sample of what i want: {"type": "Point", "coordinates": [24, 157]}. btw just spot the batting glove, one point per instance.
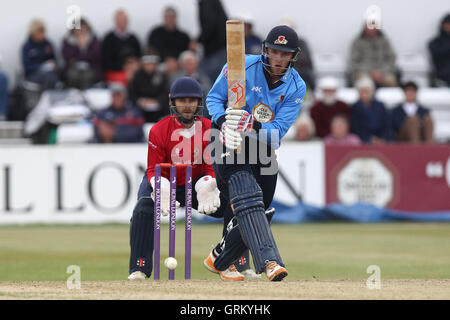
{"type": "Point", "coordinates": [239, 119]}
{"type": "Point", "coordinates": [165, 195]}
{"type": "Point", "coordinates": [231, 138]}
{"type": "Point", "coordinates": [208, 195]}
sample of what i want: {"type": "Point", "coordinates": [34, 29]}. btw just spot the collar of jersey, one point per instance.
{"type": "Point", "coordinates": [269, 83]}
{"type": "Point", "coordinates": [185, 132]}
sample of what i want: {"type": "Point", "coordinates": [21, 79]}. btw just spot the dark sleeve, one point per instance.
{"type": "Point", "coordinates": [28, 65]}
{"type": "Point", "coordinates": [187, 39]}
{"type": "Point", "coordinates": [355, 122]}
{"type": "Point", "coordinates": [132, 90]}
{"type": "Point", "coordinates": [222, 119]}
{"type": "Point", "coordinates": [95, 58]}
{"type": "Point", "coordinates": [208, 19]}
{"type": "Point", "coordinates": [68, 53]}
{"type": "Point", "coordinates": [385, 129]}
{"type": "Point", "coordinates": [151, 39]}
{"type": "Point", "coordinates": [51, 55]}
{"type": "Point", "coordinates": [439, 49]}
{"type": "Point", "coordinates": [424, 111]}
{"type": "Point", "coordinates": [107, 57]}
{"type": "Point", "coordinates": [155, 41]}
{"type": "Point", "coordinates": [137, 47]}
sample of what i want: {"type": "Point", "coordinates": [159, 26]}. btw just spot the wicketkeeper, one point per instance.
{"type": "Point", "coordinates": [177, 138]}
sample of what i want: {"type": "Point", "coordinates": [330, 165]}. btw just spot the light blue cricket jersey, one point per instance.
{"type": "Point", "coordinates": [275, 109]}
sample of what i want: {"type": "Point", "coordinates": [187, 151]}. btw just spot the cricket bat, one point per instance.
{"type": "Point", "coordinates": [236, 65]}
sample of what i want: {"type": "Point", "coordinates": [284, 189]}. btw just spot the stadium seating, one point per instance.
{"type": "Point", "coordinates": [73, 133]}
{"type": "Point", "coordinates": [97, 98]}
{"type": "Point", "coordinates": [11, 133]}
{"type": "Point", "coordinates": [330, 64]}
{"type": "Point", "coordinates": [83, 132]}
{"type": "Point", "coordinates": [414, 67]}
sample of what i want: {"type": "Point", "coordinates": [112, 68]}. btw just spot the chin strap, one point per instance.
{"type": "Point", "coordinates": [266, 67]}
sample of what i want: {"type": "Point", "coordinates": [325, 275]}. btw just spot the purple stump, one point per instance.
{"type": "Point", "coordinates": [172, 217]}
{"type": "Point", "coordinates": [188, 224]}
{"type": "Point", "coordinates": [157, 223]}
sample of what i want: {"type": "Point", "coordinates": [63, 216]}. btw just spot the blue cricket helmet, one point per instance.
{"type": "Point", "coordinates": [185, 87]}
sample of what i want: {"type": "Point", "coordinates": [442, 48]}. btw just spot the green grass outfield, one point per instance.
{"type": "Point", "coordinates": [329, 251]}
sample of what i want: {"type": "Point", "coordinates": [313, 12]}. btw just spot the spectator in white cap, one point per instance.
{"type": "Point", "coordinates": [369, 117]}
{"type": "Point", "coordinates": [327, 106]}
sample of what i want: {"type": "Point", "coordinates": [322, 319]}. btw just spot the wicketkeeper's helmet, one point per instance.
{"type": "Point", "coordinates": [185, 87]}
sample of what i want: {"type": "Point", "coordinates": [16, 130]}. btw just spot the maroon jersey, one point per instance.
{"type": "Point", "coordinates": [323, 114]}
{"type": "Point", "coordinates": [171, 142]}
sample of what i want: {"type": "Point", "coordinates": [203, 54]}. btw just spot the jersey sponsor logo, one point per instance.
{"type": "Point", "coordinates": [257, 89]}
{"type": "Point", "coordinates": [281, 40]}
{"type": "Point", "coordinates": [263, 113]}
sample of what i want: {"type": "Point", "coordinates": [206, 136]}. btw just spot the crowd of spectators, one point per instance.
{"type": "Point", "coordinates": [368, 120]}
{"type": "Point", "coordinates": [139, 76]}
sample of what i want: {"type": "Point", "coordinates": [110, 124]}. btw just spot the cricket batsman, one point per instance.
{"type": "Point", "coordinates": [275, 92]}
{"type": "Point", "coordinates": [178, 138]}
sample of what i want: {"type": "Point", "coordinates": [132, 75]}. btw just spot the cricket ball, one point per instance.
{"type": "Point", "coordinates": [171, 263]}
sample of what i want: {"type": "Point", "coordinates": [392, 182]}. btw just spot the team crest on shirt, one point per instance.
{"type": "Point", "coordinates": [263, 113]}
